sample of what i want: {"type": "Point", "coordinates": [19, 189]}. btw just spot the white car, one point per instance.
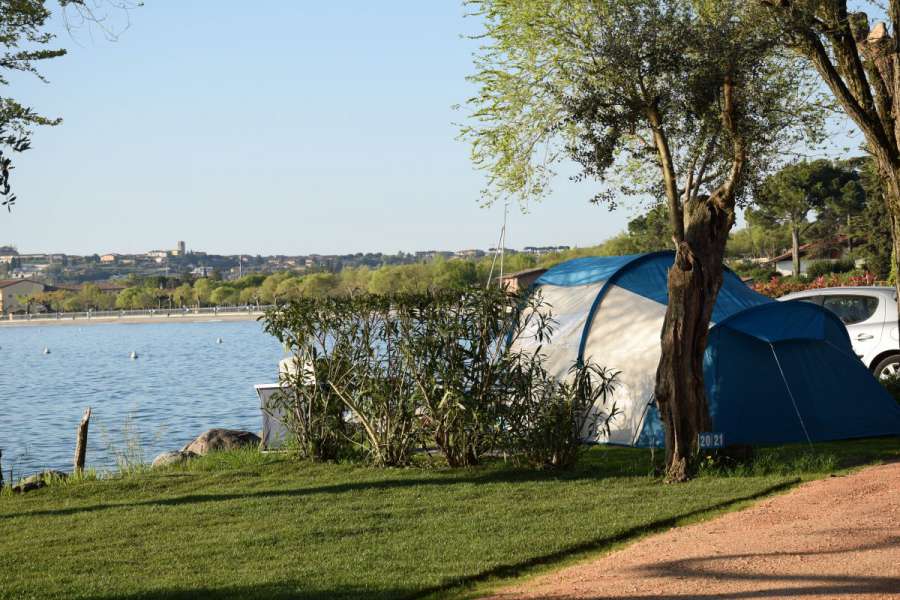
{"type": "Point", "coordinates": [870, 315]}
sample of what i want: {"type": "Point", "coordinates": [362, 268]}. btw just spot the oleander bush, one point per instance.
{"type": "Point", "coordinates": [458, 371]}
{"type": "Point", "coordinates": [459, 348]}
{"type": "Point", "coordinates": [317, 334]}
{"type": "Point", "coordinates": [548, 419]}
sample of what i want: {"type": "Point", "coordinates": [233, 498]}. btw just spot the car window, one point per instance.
{"type": "Point", "coordinates": [811, 299]}
{"type": "Point", "coordinates": [851, 309]}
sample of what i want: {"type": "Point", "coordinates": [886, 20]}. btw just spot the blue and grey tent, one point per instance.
{"type": "Point", "coordinates": [775, 372]}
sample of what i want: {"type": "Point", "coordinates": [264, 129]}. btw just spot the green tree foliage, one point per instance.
{"type": "Point", "coordinates": [183, 295]}
{"type": "Point", "coordinates": [136, 298]}
{"type": "Point", "coordinates": [249, 296]}
{"type": "Point", "coordinates": [25, 44]}
{"type": "Point", "coordinates": [288, 289]}
{"type": "Point", "coordinates": [650, 231]}
{"type": "Point", "coordinates": [268, 290]}
{"type": "Point", "coordinates": [318, 285]}
{"type": "Point", "coordinates": [686, 101]}
{"type": "Point", "coordinates": [757, 240]}
{"type": "Point", "coordinates": [875, 223]}
{"type": "Point", "coordinates": [224, 295]}
{"type": "Point", "coordinates": [857, 62]}
{"type": "Point", "coordinates": [840, 211]}
{"type": "Point", "coordinates": [202, 291]}
{"type": "Point", "coordinates": [787, 198]}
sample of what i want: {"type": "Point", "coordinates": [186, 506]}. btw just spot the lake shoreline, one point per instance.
{"type": "Point", "coordinates": [159, 318]}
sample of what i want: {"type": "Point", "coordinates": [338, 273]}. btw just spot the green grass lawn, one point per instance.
{"type": "Point", "coordinates": [250, 526]}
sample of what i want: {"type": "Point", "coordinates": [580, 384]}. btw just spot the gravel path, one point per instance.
{"type": "Point", "coordinates": [833, 538]}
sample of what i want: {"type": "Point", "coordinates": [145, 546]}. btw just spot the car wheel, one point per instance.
{"type": "Point", "coordinates": [887, 367]}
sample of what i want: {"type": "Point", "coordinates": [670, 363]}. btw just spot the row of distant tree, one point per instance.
{"type": "Point", "coordinates": [818, 201]}
{"type": "Point", "coordinates": [822, 202]}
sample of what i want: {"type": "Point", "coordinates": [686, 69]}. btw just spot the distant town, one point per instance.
{"type": "Point", "coordinates": [61, 269]}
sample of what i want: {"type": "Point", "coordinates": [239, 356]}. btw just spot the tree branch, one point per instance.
{"type": "Point", "coordinates": [670, 183]}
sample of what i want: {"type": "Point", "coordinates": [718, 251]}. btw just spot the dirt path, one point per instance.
{"type": "Point", "coordinates": [834, 538]}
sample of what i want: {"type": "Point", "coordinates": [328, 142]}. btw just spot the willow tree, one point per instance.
{"type": "Point", "coordinates": [686, 101]}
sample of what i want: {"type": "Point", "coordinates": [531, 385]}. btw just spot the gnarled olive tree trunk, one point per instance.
{"type": "Point", "coordinates": [694, 282]}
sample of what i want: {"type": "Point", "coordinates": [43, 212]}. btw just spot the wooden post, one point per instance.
{"type": "Point", "coordinates": [81, 440]}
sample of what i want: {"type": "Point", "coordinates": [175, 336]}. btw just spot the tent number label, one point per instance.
{"type": "Point", "coordinates": [711, 439]}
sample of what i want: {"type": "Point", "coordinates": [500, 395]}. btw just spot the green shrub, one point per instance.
{"type": "Point", "coordinates": [315, 332]}
{"type": "Point", "coordinates": [383, 375]}
{"type": "Point", "coordinates": [458, 349]}
{"type": "Point", "coordinates": [546, 421]}
{"type": "Point", "coordinates": [891, 383]}
{"type": "Point", "coordinates": [747, 269]}
{"type": "Point", "coordinates": [820, 268]}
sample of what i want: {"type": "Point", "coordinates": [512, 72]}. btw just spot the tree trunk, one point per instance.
{"type": "Point", "coordinates": [795, 249]}
{"type": "Point", "coordinates": [693, 285]}
{"type": "Point", "coordinates": [892, 202]}
{"type": "Point", "coordinates": [849, 235]}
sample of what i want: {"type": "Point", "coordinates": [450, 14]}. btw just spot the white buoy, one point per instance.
{"type": "Point", "coordinates": [134, 355]}
{"type": "Point", "coordinates": [46, 350]}
{"type": "Point", "coordinates": [218, 340]}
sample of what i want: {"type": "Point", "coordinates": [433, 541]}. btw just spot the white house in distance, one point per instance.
{"type": "Point", "coordinates": [12, 289]}
{"type": "Point", "coordinates": [828, 251]}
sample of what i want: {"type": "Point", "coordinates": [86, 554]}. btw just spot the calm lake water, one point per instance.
{"type": "Point", "coordinates": [181, 384]}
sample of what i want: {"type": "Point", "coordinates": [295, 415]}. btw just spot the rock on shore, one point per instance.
{"type": "Point", "coordinates": [176, 457]}
{"type": "Point", "coordinates": [221, 439]}
{"type": "Point", "coordinates": [36, 481]}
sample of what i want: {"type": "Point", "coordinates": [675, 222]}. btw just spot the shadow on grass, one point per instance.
{"type": "Point", "coordinates": [492, 477]}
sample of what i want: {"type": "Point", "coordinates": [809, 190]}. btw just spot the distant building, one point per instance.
{"type": "Point", "coordinates": [180, 249]}
{"type": "Point", "coordinates": [8, 254]}
{"type": "Point", "coordinates": [540, 250]}
{"type": "Point", "coordinates": [474, 253]}
{"type": "Point", "coordinates": [158, 253]}
{"type": "Point", "coordinates": [11, 290]}
{"type": "Point", "coordinates": [109, 258]}
{"type": "Point", "coordinates": [522, 280]}
{"type": "Point", "coordinates": [829, 250]}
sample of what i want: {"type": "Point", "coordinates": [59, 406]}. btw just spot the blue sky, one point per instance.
{"type": "Point", "coordinates": [270, 127]}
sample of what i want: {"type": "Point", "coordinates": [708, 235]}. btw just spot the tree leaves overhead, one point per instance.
{"type": "Point", "coordinates": [563, 79]}
{"type": "Point", "coordinates": [23, 44]}
{"type": "Point", "coordinates": [821, 185]}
